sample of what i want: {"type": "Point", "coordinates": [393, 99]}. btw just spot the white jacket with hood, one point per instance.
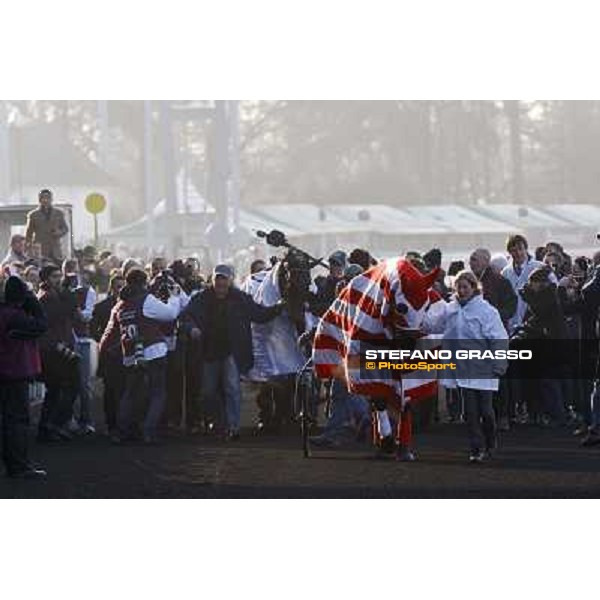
{"type": "Point", "coordinates": [475, 325]}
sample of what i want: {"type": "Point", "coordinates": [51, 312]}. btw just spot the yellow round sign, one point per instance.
{"type": "Point", "coordinates": [95, 203]}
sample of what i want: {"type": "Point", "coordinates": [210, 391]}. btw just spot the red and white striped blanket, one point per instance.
{"type": "Point", "coordinates": [392, 293]}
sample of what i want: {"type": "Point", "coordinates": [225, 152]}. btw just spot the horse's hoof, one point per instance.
{"type": "Point", "coordinates": [405, 455]}
{"type": "Point", "coordinates": [386, 448]}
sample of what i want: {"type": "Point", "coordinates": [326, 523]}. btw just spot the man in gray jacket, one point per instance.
{"type": "Point", "coordinates": [46, 226]}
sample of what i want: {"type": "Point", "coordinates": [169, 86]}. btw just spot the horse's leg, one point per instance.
{"type": "Point", "coordinates": [404, 434]}
{"type": "Point", "coordinates": [383, 426]}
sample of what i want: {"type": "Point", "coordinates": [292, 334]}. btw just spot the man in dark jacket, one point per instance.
{"type": "Point", "coordinates": [327, 284]}
{"type": "Point", "coordinates": [590, 327]}
{"type": "Point", "coordinates": [22, 320]}
{"type": "Point", "coordinates": [544, 328]}
{"type": "Point", "coordinates": [110, 360]}
{"type": "Point", "coordinates": [221, 316]}
{"type": "Point", "coordinates": [60, 370]}
{"type": "Point", "coordinates": [495, 288]}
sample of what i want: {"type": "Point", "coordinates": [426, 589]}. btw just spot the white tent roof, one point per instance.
{"type": "Point", "coordinates": [385, 219]}
{"type": "Point", "coordinates": [524, 217]}
{"type": "Point", "coordinates": [584, 215]}
{"type": "Point", "coordinates": [456, 219]}
{"type": "Point", "coordinates": [307, 218]}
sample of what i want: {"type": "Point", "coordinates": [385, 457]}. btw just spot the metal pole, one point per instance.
{"type": "Point", "coordinates": [170, 187]}
{"type": "Point", "coordinates": [4, 153]}
{"type": "Point", "coordinates": [148, 191]}
{"type": "Point", "coordinates": [102, 109]}
{"type": "Point", "coordinates": [234, 159]}
{"type": "Point", "coordinates": [221, 144]}
{"type": "Point", "coordinates": [96, 231]}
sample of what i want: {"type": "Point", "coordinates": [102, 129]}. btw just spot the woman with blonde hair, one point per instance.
{"type": "Point", "coordinates": [468, 322]}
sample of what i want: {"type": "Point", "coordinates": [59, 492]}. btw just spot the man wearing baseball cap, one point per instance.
{"type": "Point", "coordinates": [220, 318]}
{"type": "Point", "coordinates": [327, 285]}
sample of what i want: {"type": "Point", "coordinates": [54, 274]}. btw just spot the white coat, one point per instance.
{"type": "Point", "coordinates": [475, 325]}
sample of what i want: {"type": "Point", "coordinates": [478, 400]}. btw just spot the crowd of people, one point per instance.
{"type": "Point", "coordinates": [170, 343]}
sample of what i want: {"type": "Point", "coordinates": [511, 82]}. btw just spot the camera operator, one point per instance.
{"type": "Point", "coordinates": [543, 324]}
{"type": "Point", "coordinates": [163, 286]}
{"type": "Point", "coordinates": [187, 275]}
{"type": "Point", "coordinates": [576, 388]}
{"type": "Point", "coordinates": [590, 292]}
{"type": "Point", "coordinates": [193, 283]}
{"type": "Point", "coordinates": [60, 370]}
{"type": "Point", "coordinates": [517, 271]}
{"type": "Point", "coordinates": [22, 321]}
{"type": "Point", "coordinates": [327, 285]}
{"type": "Point", "coordinates": [137, 318]}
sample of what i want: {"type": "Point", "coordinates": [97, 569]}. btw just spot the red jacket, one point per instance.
{"type": "Point", "coordinates": [19, 354]}
{"type": "Point", "coordinates": [61, 310]}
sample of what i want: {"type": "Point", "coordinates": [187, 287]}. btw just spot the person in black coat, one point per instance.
{"type": "Point", "coordinates": [544, 329]}
{"type": "Point", "coordinates": [22, 321]}
{"type": "Point", "coordinates": [60, 371]}
{"type": "Point", "coordinates": [220, 317]}
{"type": "Point", "coordinates": [110, 362]}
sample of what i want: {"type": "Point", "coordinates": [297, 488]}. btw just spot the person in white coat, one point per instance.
{"type": "Point", "coordinates": [468, 322]}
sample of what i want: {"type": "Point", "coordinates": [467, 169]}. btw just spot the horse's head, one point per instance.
{"type": "Point", "coordinates": [412, 294]}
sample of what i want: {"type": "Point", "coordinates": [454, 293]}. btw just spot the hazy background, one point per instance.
{"type": "Point", "coordinates": [401, 153]}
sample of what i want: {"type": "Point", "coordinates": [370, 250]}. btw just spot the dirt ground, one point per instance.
{"type": "Point", "coordinates": [530, 463]}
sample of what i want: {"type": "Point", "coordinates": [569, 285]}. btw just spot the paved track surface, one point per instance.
{"type": "Point", "coordinates": [530, 463]}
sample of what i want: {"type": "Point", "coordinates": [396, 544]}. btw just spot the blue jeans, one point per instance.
{"type": "Point", "coordinates": [481, 419]}
{"type": "Point", "coordinates": [346, 409]}
{"type": "Point", "coordinates": [223, 374]}
{"type": "Point", "coordinates": [83, 347]}
{"type": "Point", "coordinates": [145, 392]}
{"type": "Point", "coordinates": [553, 401]}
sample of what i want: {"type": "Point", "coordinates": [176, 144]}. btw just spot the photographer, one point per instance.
{"type": "Point", "coordinates": [137, 318]}
{"type": "Point", "coordinates": [544, 323]}
{"type": "Point", "coordinates": [22, 321]}
{"type": "Point", "coordinates": [187, 275]}
{"type": "Point", "coordinates": [517, 271]}
{"type": "Point", "coordinates": [60, 371]}
{"type": "Point", "coordinates": [575, 388]}
{"type": "Point", "coordinates": [162, 287]}
{"type": "Point", "coordinates": [590, 292]}
{"type": "Point", "coordinates": [110, 358]}
{"type": "Point", "coordinates": [327, 285]}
